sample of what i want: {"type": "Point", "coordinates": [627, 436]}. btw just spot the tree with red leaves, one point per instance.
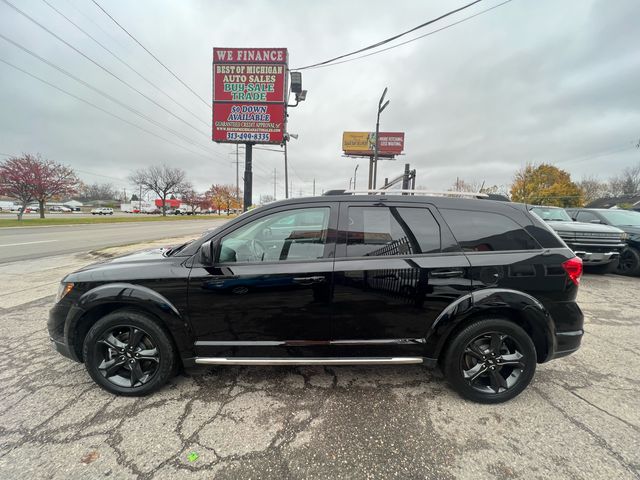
{"type": "Point", "coordinates": [30, 178]}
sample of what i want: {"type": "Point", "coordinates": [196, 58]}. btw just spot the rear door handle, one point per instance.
{"type": "Point", "coordinates": [308, 280]}
{"type": "Point", "coordinates": [447, 273]}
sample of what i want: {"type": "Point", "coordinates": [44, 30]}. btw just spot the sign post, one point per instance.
{"type": "Point", "coordinates": [368, 144]}
{"type": "Point", "coordinates": [249, 100]}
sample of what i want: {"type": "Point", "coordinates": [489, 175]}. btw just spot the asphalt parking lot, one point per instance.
{"type": "Point", "coordinates": [580, 418]}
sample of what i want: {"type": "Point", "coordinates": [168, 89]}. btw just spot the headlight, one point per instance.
{"type": "Point", "coordinates": [625, 236]}
{"type": "Point", "coordinates": [63, 290]}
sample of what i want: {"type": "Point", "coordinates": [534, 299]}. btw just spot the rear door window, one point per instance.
{"type": "Point", "coordinates": [487, 232]}
{"type": "Point", "coordinates": [380, 231]}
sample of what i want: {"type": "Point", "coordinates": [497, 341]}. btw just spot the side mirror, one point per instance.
{"type": "Point", "coordinates": [206, 256]}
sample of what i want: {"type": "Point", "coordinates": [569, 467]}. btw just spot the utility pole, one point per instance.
{"type": "Point", "coordinates": [381, 108]}
{"type": "Point", "coordinates": [274, 183]}
{"type": "Point", "coordinates": [314, 187]}
{"type": "Point", "coordinates": [140, 200]}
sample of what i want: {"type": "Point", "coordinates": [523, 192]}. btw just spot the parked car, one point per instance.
{"type": "Point", "coordinates": [483, 288]}
{"type": "Point", "coordinates": [626, 220]}
{"type": "Point", "coordinates": [102, 211]}
{"type": "Point", "coordinates": [599, 246]}
{"type": "Point", "coordinates": [59, 208]}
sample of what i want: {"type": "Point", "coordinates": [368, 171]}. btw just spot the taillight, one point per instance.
{"type": "Point", "coordinates": [573, 267]}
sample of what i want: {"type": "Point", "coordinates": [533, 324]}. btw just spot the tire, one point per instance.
{"type": "Point", "coordinates": [128, 369]}
{"type": "Point", "coordinates": [629, 262]}
{"type": "Point", "coordinates": [464, 359]}
{"type": "Point", "coordinates": [610, 267]}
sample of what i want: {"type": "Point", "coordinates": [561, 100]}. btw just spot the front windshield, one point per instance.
{"type": "Point", "coordinates": [622, 218]}
{"type": "Point", "coordinates": [552, 214]}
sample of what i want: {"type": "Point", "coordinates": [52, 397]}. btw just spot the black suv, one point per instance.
{"type": "Point", "coordinates": [483, 288]}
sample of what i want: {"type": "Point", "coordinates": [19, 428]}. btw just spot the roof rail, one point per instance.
{"type": "Point", "coordinates": [415, 192]}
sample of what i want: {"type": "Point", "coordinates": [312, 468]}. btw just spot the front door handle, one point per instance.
{"type": "Point", "coordinates": [447, 273]}
{"type": "Point", "coordinates": [308, 280]}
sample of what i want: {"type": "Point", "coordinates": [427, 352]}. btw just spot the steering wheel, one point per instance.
{"type": "Point", "coordinates": [257, 249]}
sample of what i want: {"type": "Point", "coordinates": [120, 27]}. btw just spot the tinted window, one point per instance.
{"type": "Point", "coordinates": [377, 231]}
{"type": "Point", "coordinates": [292, 235]}
{"type": "Point", "coordinates": [486, 232]}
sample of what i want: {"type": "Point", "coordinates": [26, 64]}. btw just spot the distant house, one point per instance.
{"type": "Point", "coordinates": [73, 204]}
{"type": "Point", "coordinates": [617, 202]}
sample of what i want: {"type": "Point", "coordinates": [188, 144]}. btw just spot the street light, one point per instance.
{"type": "Point", "coordinates": [381, 108]}
{"type": "Point", "coordinates": [355, 171]}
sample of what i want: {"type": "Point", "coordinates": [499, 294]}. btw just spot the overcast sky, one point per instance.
{"type": "Point", "coordinates": [530, 81]}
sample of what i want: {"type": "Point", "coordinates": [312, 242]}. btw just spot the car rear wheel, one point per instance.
{"type": "Point", "coordinates": [490, 361]}
{"type": "Point", "coordinates": [629, 262]}
{"type": "Point", "coordinates": [128, 353]}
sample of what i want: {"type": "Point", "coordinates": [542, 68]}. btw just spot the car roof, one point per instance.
{"type": "Point", "coordinates": [438, 201]}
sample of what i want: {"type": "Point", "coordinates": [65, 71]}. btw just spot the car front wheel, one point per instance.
{"type": "Point", "coordinates": [128, 353]}
{"type": "Point", "coordinates": [629, 262]}
{"type": "Point", "coordinates": [490, 361]}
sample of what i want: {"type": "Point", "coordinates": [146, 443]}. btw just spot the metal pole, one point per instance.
{"type": "Point", "coordinates": [405, 178]}
{"type": "Point", "coordinates": [237, 174]}
{"type": "Point", "coordinates": [274, 183]}
{"type": "Point", "coordinates": [314, 187]}
{"type": "Point", "coordinates": [375, 151]}
{"type": "Point", "coordinates": [370, 173]}
{"type": "Point", "coordinates": [248, 176]}
{"type": "Point", "coordinates": [286, 171]}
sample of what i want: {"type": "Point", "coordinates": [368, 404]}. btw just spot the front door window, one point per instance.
{"type": "Point", "coordinates": [292, 235]}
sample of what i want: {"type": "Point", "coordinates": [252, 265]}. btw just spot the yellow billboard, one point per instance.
{"type": "Point", "coordinates": [363, 143]}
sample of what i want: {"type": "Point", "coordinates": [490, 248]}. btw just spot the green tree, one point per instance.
{"type": "Point", "coordinates": [545, 184]}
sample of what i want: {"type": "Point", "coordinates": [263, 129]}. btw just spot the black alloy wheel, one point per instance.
{"type": "Point", "coordinates": [129, 358]}
{"type": "Point", "coordinates": [128, 353]}
{"type": "Point", "coordinates": [490, 361]}
{"type": "Point", "coordinates": [629, 262]}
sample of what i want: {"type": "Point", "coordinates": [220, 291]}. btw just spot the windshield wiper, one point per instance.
{"type": "Point", "coordinates": [174, 250]}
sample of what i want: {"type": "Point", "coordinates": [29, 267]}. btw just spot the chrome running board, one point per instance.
{"type": "Point", "coordinates": [308, 361]}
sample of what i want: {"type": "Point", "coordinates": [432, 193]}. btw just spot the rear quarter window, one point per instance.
{"type": "Point", "coordinates": [478, 231]}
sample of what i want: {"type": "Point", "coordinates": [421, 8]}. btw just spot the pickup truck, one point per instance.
{"type": "Point", "coordinates": [599, 246]}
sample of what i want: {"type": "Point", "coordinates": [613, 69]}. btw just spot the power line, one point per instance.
{"type": "Point", "coordinates": [106, 95]}
{"type": "Point", "coordinates": [416, 38]}
{"type": "Point", "coordinates": [124, 62]}
{"type": "Point", "coordinates": [106, 70]}
{"type": "Point", "coordinates": [101, 109]}
{"type": "Point", "coordinates": [152, 55]}
{"type": "Point", "coordinates": [387, 40]}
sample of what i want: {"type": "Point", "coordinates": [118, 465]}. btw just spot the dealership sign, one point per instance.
{"type": "Point", "coordinates": [363, 143]}
{"type": "Point", "coordinates": [249, 94]}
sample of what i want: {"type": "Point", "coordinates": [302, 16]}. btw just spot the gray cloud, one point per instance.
{"type": "Point", "coordinates": [529, 81]}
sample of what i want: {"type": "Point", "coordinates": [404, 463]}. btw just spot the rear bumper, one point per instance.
{"type": "Point", "coordinates": [567, 343]}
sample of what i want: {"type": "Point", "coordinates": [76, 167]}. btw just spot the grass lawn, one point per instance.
{"type": "Point", "coordinates": [29, 221]}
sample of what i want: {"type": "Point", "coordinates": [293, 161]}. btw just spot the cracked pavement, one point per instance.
{"type": "Point", "coordinates": [579, 419]}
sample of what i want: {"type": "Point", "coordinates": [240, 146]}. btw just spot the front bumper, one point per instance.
{"type": "Point", "coordinates": [55, 326]}
{"type": "Point", "coordinates": [596, 258]}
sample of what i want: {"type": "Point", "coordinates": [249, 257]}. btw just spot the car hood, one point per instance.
{"type": "Point", "coordinates": [583, 227]}
{"type": "Point", "coordinates": [630, 230]}
{"type": "Point", "coordinates": [145, 264]}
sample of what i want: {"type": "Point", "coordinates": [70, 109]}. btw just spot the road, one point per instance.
{"type": "Point", "coordinates": [579, 419]}
{"type": "Point", "coordinates": [21, 243]}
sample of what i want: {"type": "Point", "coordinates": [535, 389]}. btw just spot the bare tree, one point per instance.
{"type": "Point", "coordinates": [97, 191]}
{"type": "Point", "coordinates": [627, 183]}
{"type": "Point", "coordinates": [30, 178]}
{"type": "Point", "coordinates": [593, 188]}
{"type": "Point", "coordinates": [161, 180]}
